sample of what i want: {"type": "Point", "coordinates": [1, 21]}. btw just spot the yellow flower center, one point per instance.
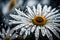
{"type": "Point", "coordinates": [39, 20]}
{"type": "Point", "coordinates": [7, 37]}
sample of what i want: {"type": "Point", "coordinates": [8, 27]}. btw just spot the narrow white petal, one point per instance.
{"type": "Point", "coordinates": [52, 13]}
{"type": "Point", "coordinates": [22, 31]}
{"type": "Point", "coordinates": [53, 30]}
{"type": "Point", "coordinates": [39, 27]}
{"type": "Point", "coordinates": [43, 31]}
{"type": "Point", "coordinates": [34, 10]}
{"type": "Point", "coordinates": [8, 30]}
{"type": "Point", "coordinates": [20, 12]}
{"type": "Point", "coordinates": [26, 21]}
{"type": "Point", "coordinates": [55, 27]}
{"type": "Point", "coordinates": [13, 36]}
{"type": "Point", "coordinates": [48, 10]}
{"type": "Point", "coordinates": [3, 35]}
{"type": "Point", "coordinates": [53, 16]}
{"type": "Point", "coordinates": [56, 24]}
{"type": "Point", "coordinates": [3, 30]}
{"type": "Point", "coordinates": [14, 22]}
{"type": "Point", "coordinates": [33, 28]}
{"type": "Point", "coordinates": [53, 9]}
{"type": "Point", "coordinates": [44, 10]}
{"type": "Point", "coordinates": [37, 33]}
{"type": "Point", "coordinates": [49, 35]}
{"type": "Point", "coordinates": [25, 35]}
{"type": "Point", "coordinates": [29, 30]}
{"type": "Point", "coordinates": [53, 21]}
{"type": "Point", "coordinates": [27, 26]}
{"type": "Point", "coordinates": [19, 26]}
{"type": "Point", "coordinates": [39, 8]}
{"type": "Point", "coordinates": [30, 12]}
{"type": "Point", "coordinates": [17, 17]}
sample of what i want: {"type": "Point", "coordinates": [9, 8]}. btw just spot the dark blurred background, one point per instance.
{"type": "Point", "coordinates": [53, 3]}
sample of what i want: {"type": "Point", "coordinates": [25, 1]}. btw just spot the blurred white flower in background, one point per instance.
{"type": "Point", "coordinates": [6, 8]}
{"type": "Point", "coordinates": [7, 34]}
{"type": "Point", "coordinates": [43, 19]}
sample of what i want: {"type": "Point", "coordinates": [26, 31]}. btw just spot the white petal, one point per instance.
{"type": "Point", "coordinates": [39, 9]}
{"type": "Point", "coordinates": [17, 17]}
{"type": "Point", "coordinates": [44, 10]}
{"type": "Point", "coordinates": [53, 9]}
{"type": "Point", "coordinates": [34, 10]}
{"type": "Point", "coordinates": [19, 26]}
{"type": "Point", "coordinates": [53, 30]}
{"type": "Point", "coordinates": [21, 13]}
{"type": "Point", "coordinates": [55, 27]}
{"type": "Point", "coordinates": [30, 12]}
{"type": "Point", "coordinates": [14, 22]}
{"type": "Point", "coordinates": [39, 27]}
{"type": "Point", "coordinates": [37, 33]}
{"type": "Point", "coordinates": [33, 28]}
{"type": "Point", "coordinates": [3, 30]}
{"type": "Point", "coordinates": [22, 31]}
{"type": "Point", "coordinates": [53, 16]}
{"type": "Point", "coordinates": [29, 30]}
{"type": "Point", "coordinates": [52, 13]}
{"type": "Point", "coordinates": [3, 35]}
{"type": "Point", "coordinates": [43, 31]}
{"type": "Point", "coordinates": [8, 30]}
{"type": "Point", "coordinates": [48, 10]}
{"type": "Point", "coordinates": [56, 24]}
{"type": "Point", "coordinates": [53, 21]}
{"type": "Point", "coordinates": [26, 33]}
{"type": "Point", "coordinates": [27, 26]}
{"type": "Point", "coordinates": [49, 35]}
{"type": "Point", "coordinates": [13, 36]}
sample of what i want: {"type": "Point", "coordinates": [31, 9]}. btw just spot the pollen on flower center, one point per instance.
{"type": "Point", "coordinates": [39, 20]}
{"type": "Point", "coordinates": [7, 37]}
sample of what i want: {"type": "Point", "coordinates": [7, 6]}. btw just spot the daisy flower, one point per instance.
{"type": "Point", "coordinates": [7, 34]}
{"type": "Point", "coordinates": [36, 19]}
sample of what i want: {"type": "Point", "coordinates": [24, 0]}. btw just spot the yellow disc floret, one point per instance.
{"type": "Point", "coordinates": [39, 20]}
